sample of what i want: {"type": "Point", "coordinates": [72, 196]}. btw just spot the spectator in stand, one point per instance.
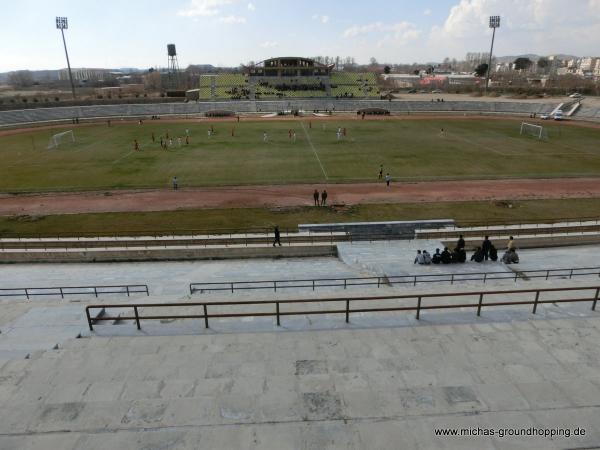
{"type": "Point", "coordinates": [478, 255]}
{"type": "Point", "coordinates": [446, 256]}
{"type": "Point", "coordinates": [510, 257]}
{"type": "Point", "coordinates": [485, 247]}
{"type": "Point", "coordinates": [493, 253]}
{"type": "Point", "coordinates": [511, 244]}
{"type": "Point", "coordinates": [459, 256]}
{"type": "Point", "coordinates": [437, 257]}
{"type": "Point", "coordinates": [426, 257]}
{"type": "Point", "coordinates": [419, 259]}
{"type": "Point", "coordinates": [460, 243]}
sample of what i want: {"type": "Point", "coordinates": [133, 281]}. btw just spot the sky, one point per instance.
{"type": "Point", "coordinates": [134, 33]}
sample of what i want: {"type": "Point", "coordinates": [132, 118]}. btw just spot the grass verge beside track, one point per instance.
{"type": "Point", "coordinates": [466, 213]}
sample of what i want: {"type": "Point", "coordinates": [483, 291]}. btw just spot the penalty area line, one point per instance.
{"type": "Point", "coordinates": [310, 142]}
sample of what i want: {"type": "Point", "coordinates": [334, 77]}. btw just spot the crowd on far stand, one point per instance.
{"type": "Point", "coordinates": [482, 253]}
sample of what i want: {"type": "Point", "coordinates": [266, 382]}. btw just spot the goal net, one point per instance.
{"type": "Point", "coordinates": [57, 139]}
{"type": "Point", "coordinates": [537, 131]}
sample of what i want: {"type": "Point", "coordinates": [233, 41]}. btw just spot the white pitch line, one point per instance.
{"type": "Point", "coordinates": [310, 142]}
{"type": "Point", "coordinates": [122, 157]}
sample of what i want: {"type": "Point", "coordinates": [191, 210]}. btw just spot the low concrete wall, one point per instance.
{"type": "Point", "coordinates": [405, 228]}
{"type": "Point", "coordinates": [168, 254]}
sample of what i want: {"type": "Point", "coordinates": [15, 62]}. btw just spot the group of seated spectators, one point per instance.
{"type": "Point", "coordinates": [459, 255]}
{"type": "Point", "coordinates": [238, 93]}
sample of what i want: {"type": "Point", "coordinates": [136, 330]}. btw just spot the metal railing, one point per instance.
{"type": "Point", "coordinates": [267, 231]}
{"type": "Point", "coordinates": [346, 310]}
{"type": "Point", "coordinates": [232, 286]}
{"type": "Point", "coordinates": [193, 241]}
{"type": "Point", "coordinates": [75, 290]}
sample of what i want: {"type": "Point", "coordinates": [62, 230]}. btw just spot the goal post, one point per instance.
{"type": "Point", "coordinates": [537, 131]}
{"type": "Point", "coordinates": [59, 138]}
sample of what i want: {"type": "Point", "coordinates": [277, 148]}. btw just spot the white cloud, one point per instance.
{"type": "Point", "coordinates": [251, 7]}
{"type": "Point", "coordinates": [269, 44]}
{"type": "Point", "coordinates": [532, 26]}
{"type": "Point", "coordinates": [320, 18]}
{"type": "Point", "coordinates": [427, 12]}
{"type": "Point", "coordinates": [232, 19]}
{"type": "Point", "coordinates": [203, 8]}
{"type": "Point", "coordinates": [396, 33]}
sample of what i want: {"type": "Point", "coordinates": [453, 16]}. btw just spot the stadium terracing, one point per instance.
{"type": "Point", "coordinates": [286, 77]}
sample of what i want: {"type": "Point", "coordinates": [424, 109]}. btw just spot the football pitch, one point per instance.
{"type": "Point", "coordinates": [237, 154]}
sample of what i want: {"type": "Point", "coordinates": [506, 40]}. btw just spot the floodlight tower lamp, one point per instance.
{"type": "Point", "coordinates": [494, 23]}
{"type": "Point", "coordinates": [62, 24]}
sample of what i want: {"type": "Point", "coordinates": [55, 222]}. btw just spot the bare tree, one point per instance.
{"type": "Point", "coordinates": [21, 78]}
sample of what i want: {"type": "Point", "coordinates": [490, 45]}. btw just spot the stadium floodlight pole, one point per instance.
{"type": "Point", "coordinates": [62, 24]}
{"type": "Point", "coordinates": [494, 23]}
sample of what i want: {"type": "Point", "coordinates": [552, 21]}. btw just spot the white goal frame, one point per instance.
{"type": "Point", "coordinates": [56, 139]}
{"type": "Point", "coordinates": [535, 130]}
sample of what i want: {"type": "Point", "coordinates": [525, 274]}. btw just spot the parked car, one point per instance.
{"type": "Point", "coordinates": [545, 116]}
{"type": "Point", "coordinates": [575, 95]}
{"type": "Point", "coordinates": [412, 91]}
{"type": "Point", "coordinates": [436, 91]}
{"type": "Point", "coordinates": [558, 115]}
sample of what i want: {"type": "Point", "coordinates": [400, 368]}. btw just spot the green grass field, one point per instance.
{"type": "Point", "coordinates": [103, 157]}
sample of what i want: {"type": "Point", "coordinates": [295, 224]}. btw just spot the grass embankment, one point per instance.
{"type": "Point", "coordinates": [466, 213]}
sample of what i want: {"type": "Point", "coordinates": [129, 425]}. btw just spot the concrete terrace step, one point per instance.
{"type": "Point", "coordinates": [541, 228]}
{"type": "Point", "coordinates": [532, 241]}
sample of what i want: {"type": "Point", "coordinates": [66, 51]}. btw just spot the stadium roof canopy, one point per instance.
{"type": "Point", "coordinates": [289, 66]}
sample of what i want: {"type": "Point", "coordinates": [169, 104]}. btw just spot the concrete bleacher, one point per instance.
{"type": "Point", "coordinates": [528, 235]}
{"type": "Point", "coordinates": [27, 116]}
{"type": "Point", "coordinates": [382, 381]}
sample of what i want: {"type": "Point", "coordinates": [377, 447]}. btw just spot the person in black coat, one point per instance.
{"type": "Point", "coordinates": [493, 253]}
{"type": "Point", "coordinates": [485, 247]}
{"type": "Point", "coordinates": [446, 256]}
{"type": "Point", "coordinates": [277, 239]}
{"type": "Point", "coordinates": [479, 255]}
{"type": "Point", "coordinates": [460, 244]}
{"type": "Point", "coordinates": [437, 257]}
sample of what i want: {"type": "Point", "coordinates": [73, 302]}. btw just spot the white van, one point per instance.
{"type": "Point", "coordinates": [558, 115]}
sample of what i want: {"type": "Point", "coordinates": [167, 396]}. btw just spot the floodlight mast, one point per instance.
{"type": "Point", "coordinates": [494, 23]}
{"type": "Point", "coordinates": [62, 24]}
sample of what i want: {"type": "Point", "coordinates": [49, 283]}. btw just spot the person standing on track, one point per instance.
{"type": "Point", "coordinates": [316, 197]}
{"type": "Point", "coordinates": [324, 198]}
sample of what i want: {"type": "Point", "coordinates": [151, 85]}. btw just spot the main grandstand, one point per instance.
{"type": "Point", "coordinates": [286, 77]}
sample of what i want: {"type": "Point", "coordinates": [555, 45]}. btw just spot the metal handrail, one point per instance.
{"type": "Point", "coordinates": [452, 278]}
{"type": "Point", "coordinates": [346, 311]}
{"type": "Point", "coordinates": [75, 290]}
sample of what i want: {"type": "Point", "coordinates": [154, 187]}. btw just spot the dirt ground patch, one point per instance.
{"type": "Point", "coordinates": [297, 195]}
